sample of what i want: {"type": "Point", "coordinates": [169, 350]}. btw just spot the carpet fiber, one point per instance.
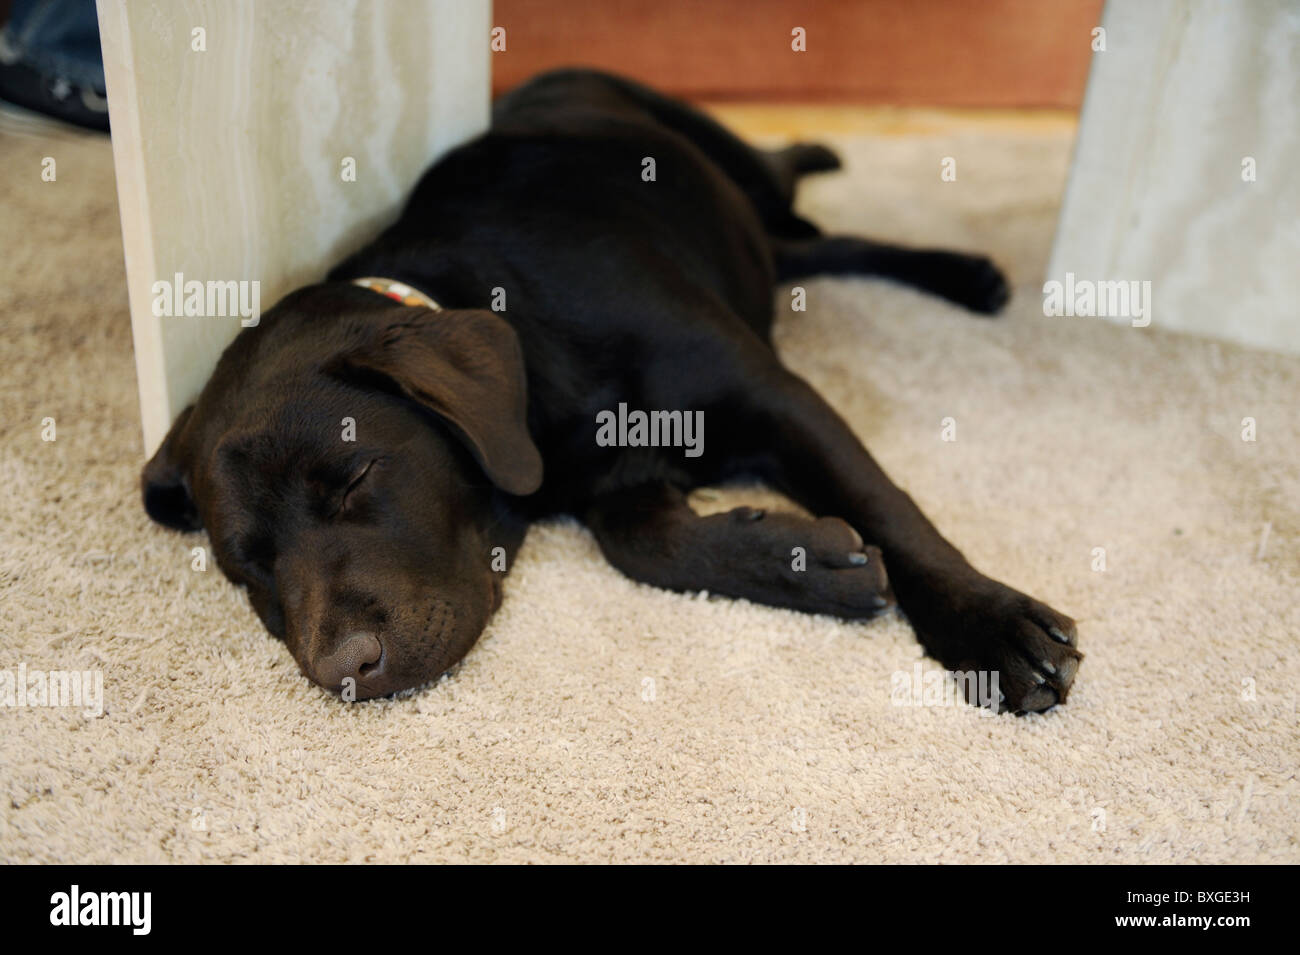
{"type": "Point", "coordinates": [602, 720]}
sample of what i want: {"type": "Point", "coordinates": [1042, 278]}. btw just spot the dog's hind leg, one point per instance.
{"type": "Point", "coordinates": [650, 533]}
{"type": "Point", "coordinates": [797, 160]}
{"type": "Point", "coordinates": [972, 281]}
{"type": "Point", "coordinates": [767, 177]}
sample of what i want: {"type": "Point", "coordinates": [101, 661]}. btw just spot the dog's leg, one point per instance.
{"type": "Point", "coordinates": [972, 281]}
{"type": "Point", "coordinates": [964, 619]}
{"type": "Point", "coordinates": [651, 534]}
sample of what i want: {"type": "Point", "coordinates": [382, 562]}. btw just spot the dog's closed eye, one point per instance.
{"type": "Point", "coordinates": [353, 485]}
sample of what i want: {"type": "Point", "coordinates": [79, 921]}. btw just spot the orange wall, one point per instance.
{"type": "Point", "coordinates": [993, 53]}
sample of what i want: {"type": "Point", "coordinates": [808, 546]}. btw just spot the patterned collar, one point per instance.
{"type": "Point", "coordinates": [397, 291]}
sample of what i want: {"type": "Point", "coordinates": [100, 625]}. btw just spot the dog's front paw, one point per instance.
{"type": "Point", "coordinates": [817, 566]}
{"type": "Point", "coordinates": [989, 627]}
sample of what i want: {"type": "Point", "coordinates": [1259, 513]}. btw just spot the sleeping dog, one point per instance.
{"type": "Point", "coordinates": [368, 458]}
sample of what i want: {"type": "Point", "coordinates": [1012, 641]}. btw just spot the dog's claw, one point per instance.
{"type": "Point", "coordinates": [1039, 699]}
{"type": "Point", "coordinates": [1056, 634]}
{"type": "Point", "coordinates": [857, 560]}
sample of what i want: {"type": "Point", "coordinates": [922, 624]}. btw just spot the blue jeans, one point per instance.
{"type": "Point", "coordinates": [59, 39]}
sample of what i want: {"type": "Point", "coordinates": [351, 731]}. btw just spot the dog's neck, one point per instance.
{"type": "Point", "coordinates": [397, 291]}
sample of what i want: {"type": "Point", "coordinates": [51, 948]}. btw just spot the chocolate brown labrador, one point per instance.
{"type": "Point", "coordinates": [604, 258]}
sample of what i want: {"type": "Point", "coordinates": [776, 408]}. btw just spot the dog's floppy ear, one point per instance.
{"type": "Point", "coordinates": [165, 485]}
{"type": "Point", "coordinates": [467, 367]}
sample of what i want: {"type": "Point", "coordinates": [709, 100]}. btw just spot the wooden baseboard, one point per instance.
{"type": "Point", "coordinates": [992, 53]}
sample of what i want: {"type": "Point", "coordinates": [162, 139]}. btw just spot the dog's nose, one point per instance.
{"type": "Point", "coordinates": [358, 656]}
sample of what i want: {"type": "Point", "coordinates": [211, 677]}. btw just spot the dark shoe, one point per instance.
{"type": "Point", "coordinates": [53, 96]}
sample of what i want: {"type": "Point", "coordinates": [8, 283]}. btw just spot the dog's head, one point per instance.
{"type": "Point", "coordinates": [348, 459]}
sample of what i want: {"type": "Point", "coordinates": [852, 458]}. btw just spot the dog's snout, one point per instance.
{"type": "Point", "coordinates": [359, 657]}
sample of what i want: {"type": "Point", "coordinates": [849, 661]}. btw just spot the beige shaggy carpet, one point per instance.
{"type": "Point", "coordinates": [601, 720]}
